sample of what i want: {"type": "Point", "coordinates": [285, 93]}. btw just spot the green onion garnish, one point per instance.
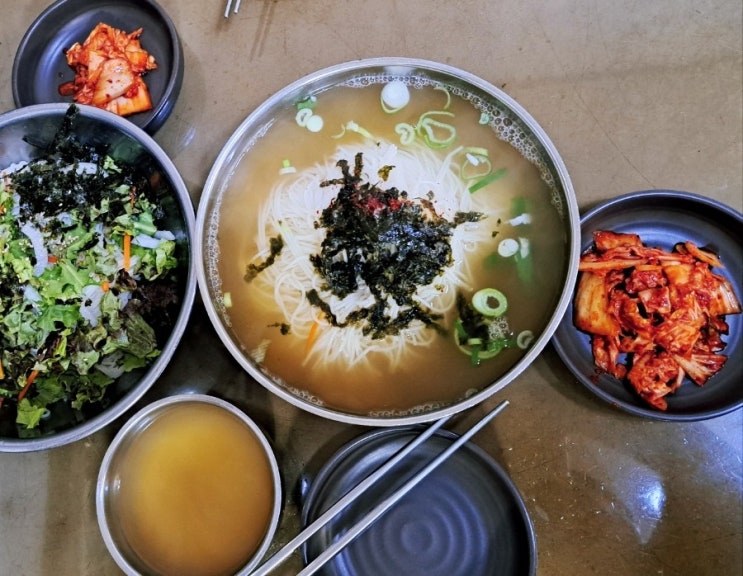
{"type": "Point", "coordinates": [484, 181]}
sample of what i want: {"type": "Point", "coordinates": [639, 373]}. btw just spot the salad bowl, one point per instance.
{"type": "Point", "coordinates": [49, 396]}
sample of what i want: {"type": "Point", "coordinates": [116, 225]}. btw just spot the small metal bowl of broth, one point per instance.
{"type": "Point", "coordinates": [189, 487]}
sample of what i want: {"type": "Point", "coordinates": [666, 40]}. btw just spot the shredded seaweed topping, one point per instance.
{"type": "Point", "coordinates": [72, 175]}
{"type": "Point", "coordinates": [376, 240]}
{"type": "Point", "coordinates": [252, 270]}
{"type": "Point", "coordinates": [381, 239]}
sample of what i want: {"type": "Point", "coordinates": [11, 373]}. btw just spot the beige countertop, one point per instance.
{"type": "Point", "coordinates": [635, 95]}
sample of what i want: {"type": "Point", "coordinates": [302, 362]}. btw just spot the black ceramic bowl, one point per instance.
{"type": "Point", "coordinates": [662, 218]}
{"type": "Point", "coordinates": [40, 65]}
{"type": "Point", "coordinates": [465, 518]}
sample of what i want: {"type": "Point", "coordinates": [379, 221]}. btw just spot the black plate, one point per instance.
{"type": "Point", "coordinates": [40, 65]}
{"type": "Point", "coordinates": [663, 218]}
{"type": "Point", "coordinates": [466, 518]}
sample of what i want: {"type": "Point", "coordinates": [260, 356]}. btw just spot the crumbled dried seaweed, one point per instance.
{"type": "Point", "coordinates": [382, 240]}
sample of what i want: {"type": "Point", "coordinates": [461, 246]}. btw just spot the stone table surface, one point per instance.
{"type": "Point", "coordinates": [635, 95]}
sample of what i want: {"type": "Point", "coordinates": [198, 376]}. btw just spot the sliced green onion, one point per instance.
{"type": "Point", "coordinates": [508, 247]}
{"type": "Point", "coordinates": [524, 266]}
{"type": "Point", "coordinates": [286, 167]}
{"type": "Point", "coordinates": [475, 355]}
{"type": "Point", "coordinates": [524, 247]}
{"type": "Point", "coordinates": [524, 261]}
{"type": "Point", "coordinates": [477, 151]}
{"type": "Point", "coordinates": [519, 205]}
{"type": "Point", "coordinates": [303, 114]}
{"type": "Point", "coordinates": [476, 348]}
{"type": "Point", "coordinates": [460, 338]}
{"type": "Point", "coordinates": [472, 159]}
{"type": "Point", "coordinates": [520, 220]}
{"type": "Point", "coordinates": [307, 104]}
{"type": "Point", "coordinates": [481, 301]}
{"type": "Point", "coordinates": [354, 127]}
{"type": "Point", "coordinates": [227, 299]}
{"type": "Point", "coordinates": [314, 123]}
{"type": "Point", "coordinates": [493, 348]}
{"type": "Point", "coordinates": [430, 130]}
{"type": "Point", "coordinates": [448, 95]}
{"type": "Point", "coordinates": [494, 261]}
{"type": "Point", "coordinates": [435, 113]}
{"type": "Point", "coordinates": [476, 164]}
{"type": "Point", "coordinates": [488, 179]}
{"type": "Point", "coordinates": [432, 140]}
{"type": "Point", "coordinates": [395, 96]}
{"type": "Point", "coordinates": [484, 118]}
{"type": "Point", "coordinates": [524, 339]}
{"type": "Point", "coordinates": [406, 132]}
{"type": "Point", "coordinates": [459, 333]}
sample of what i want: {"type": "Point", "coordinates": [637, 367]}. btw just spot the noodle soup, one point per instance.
{"type": "Point", "coordinates": [387, 256]}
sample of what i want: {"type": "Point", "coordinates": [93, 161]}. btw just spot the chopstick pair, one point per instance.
{"type": "Point", "coordinates": [382, 507]}
{"type": "Point", "coordinates": [229, 5]}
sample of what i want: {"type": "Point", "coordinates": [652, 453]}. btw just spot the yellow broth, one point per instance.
{"type": "Point", "coordinates": [196, 492]}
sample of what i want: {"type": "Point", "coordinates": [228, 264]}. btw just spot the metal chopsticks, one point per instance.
{"type": "Point", "coordinates": [382, 507]}
{"type": "Point", "coordinates": [229, 5]}
{"type": "Point", "coordinates": [346, 500]}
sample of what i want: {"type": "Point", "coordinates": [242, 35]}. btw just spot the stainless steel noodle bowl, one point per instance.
{"type": "Point", "coordinates": [386, 241]}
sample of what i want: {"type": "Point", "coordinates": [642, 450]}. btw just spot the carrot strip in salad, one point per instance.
{"type": "Point", "coordinates": [127, 251]}
{"type": "Point", "coordinates": [29, 381]}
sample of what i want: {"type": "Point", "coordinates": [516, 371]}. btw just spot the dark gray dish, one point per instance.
{"type": "Point", "coordinates": [40, 65]}
{"type": "Point", "coordinates": [465, 519]}
{"type": "Point", "coordinates": [663, 218]}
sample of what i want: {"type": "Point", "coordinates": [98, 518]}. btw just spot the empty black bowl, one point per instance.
{"type": "Point", "coordinates": [466, 518]}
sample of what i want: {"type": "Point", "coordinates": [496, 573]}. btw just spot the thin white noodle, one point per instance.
{"type": "Point", "coordinates": [292, 210]}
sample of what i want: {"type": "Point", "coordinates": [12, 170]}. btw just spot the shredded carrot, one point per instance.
{"type": "Point", "coordinates": [127, 251]}
{"type": "Point", "coordinates": [311, 337]}
{"type": "Point", "coordinates": [2, 372]}
{"type": "Point", "coordinates": [128, 237]}
{"type": "Point", "coordinates": [105, 286]}
{"type": "Point", "coordinates": [52, 259]}
{"type": "Point", "coordinates": [29, 381]}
